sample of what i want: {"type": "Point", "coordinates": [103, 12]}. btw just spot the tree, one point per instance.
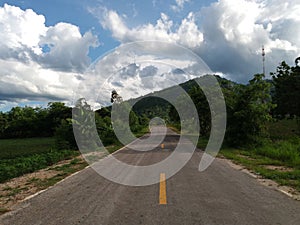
{"type": "Point", "coordinates": [250, 113]}
{"type": "Point", "coordinates": [173, 115]}
{"type": "Point", "coordinates": [203, 109]}
{"type": "Point", "coordinates": [3, 122]}
{"type": "Point", "coordinates": [57, 111]}
{"type": "Point", "coordinates": [21, 122]}
{"type": "Point", "coordinates": [287, 90]}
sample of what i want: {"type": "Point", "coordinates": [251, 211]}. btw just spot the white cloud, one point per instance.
{"type": "Point", "coordinates": [235, 30]}
{"type": "Point", "coordinates": [245, 22]}
{"type": "Point", "coordinates": [179, 5]}
{"type": "Point", "coordinates": [25, 37]}
{"type": "Point", "coordinates": [139, 68]}
{"type": "Point", "coordinates": [21, 82]}
{"type": "Point", "coordinates": [228, 34]}
{"type": "Point", "coordinates": [21, 28]}
{"type": "Point", "coordinates": [186, 34]}
{"type": "Point", "coordinates": [39, 62]}
{"type": "Point", "coordinates": [68, 48]}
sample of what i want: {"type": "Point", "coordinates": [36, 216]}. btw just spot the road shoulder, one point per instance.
{"type": "Point", "coordinates": [289, 191]}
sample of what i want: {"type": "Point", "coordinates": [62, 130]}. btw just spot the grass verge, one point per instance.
{"type": "Point", "coordinates": [10, 168]}
{"type": "Point", "coordinates": [283, 172]}
{"type": "Point", "coordinates": [21, 187]}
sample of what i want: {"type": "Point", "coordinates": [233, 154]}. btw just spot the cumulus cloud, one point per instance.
{"type": "Point", "coordinates": [20, 28]}
{"type": "Point", "coordinates": [39, 62]}
{"type": "Point", "coordinates": [187, 33]}
{"type": "Point", "coordinates": [26, 38]}
{"type": "Point", "coordinates": [68, 49]}
{"type": "Point", "coordinates": [228, 34]}
{"type": "Point", "coordinates": [47, 62]}
{"type": "Point", "coordinates": [21, 82]}
{"type": "Point", "coordinates": [139, 68]}
{"type": "Point", "coordinates": [148, 71]}
{"type": "Point", "coordinates": [235, 30]}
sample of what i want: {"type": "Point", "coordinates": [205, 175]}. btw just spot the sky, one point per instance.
{"type": "Point", "coordinates": [47, 48]}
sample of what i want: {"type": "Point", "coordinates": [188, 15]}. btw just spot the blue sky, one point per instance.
{"type": "Point", "coordinates": [135, 12]}
{"type": "Point", "coordinates": [46, 46]}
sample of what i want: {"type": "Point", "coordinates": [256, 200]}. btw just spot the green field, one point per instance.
{"type": "Point", "coordinates": [279, 156]}
{"type": "Point", "coordinates": [13, 148]}
{"type": "Point", "coordinates": [21, 156]}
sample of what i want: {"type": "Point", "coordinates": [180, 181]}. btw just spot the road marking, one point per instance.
{"type": "Point", "coordinates": [162, 190]}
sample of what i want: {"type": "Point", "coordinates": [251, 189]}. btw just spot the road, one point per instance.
{"type": "Point", "coordinates": [219, 195]}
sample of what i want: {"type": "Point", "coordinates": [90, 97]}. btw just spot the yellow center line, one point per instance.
{"type": "Point", "coordinates": [162, 190]}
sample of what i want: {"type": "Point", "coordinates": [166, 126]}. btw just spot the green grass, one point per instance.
{"type": "Point", "coordinates": [64, 171]}
{"type": "Point", "coordinates": [13, 148]}
{"type": "Point", "coordinates": [10, 168]}
{"type": "Point", "coordinates": [202, 143]}
{"type": "Point", "coordinates": [71, 167]}
{"type": "Point", "coordinates": [286, 151]}
{"type": "Point", "coordinates": [14, 191]}
{"type": "Point", "coordinates": [44, 183]}
{"type": "Point", "coordinates": [21, 156]}
{"type": "Point", "coordinates": [283, 129]}
{"type": "Point", "coordinates": [258, 160]}
{"type": "Point", "coordinates": [282, 150]}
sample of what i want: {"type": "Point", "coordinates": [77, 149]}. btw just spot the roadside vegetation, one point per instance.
{"type": "Point", "coordinates": [19, 188]}
{"type": "Point", "coordinates": [263, 123]}
{"type": "Point", "coordinates": [20, 156]}
{"type": "Point", "coordinates": [275, 152]}
{"type": "Point", "coordinates": [277, 158]}
{"type": "Point", "coordinates": [35, 138]}
{"type": "Point", "coordinates": [263, 127]}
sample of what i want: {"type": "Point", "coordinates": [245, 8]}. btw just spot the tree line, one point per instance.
{"type": "Point", "coordinates": [56, 120]}
{"type": "Point", "coordinates": [252, 106]}
{"type": "Point", "coordinates": [26, 122]}
{"type": "Point", "coordinates": [249, 108]}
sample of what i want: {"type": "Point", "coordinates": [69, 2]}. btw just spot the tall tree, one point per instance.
{"type": "Point", "coordinates": [57, 111]}
{"type": "Point", "coordinates": [251, 112]}
{"type": "Point", "coordinates": [203, 109]}
{"type": "Point", "coordinates": [286, 80]}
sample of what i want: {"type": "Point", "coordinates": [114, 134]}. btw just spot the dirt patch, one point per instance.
{"type": "Point", "coordinates": [17, 189]}
{"type": "Point", "coordinates": [291, 192]}
{"type": "Point", "coordinates": [279, 168]}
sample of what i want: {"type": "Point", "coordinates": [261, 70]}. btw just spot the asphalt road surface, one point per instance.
{"type": "Point", "coordinates": [219, 195]}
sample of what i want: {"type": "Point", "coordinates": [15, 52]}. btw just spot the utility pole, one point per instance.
{"type": "Point", "coordinates": [264, 59]}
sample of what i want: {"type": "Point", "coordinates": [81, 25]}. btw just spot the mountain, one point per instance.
{"type": "Point", "coordinates": [152, 105]}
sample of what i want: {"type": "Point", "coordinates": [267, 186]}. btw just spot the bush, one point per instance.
{"type": "Point", "coordinates": [64, 136]}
